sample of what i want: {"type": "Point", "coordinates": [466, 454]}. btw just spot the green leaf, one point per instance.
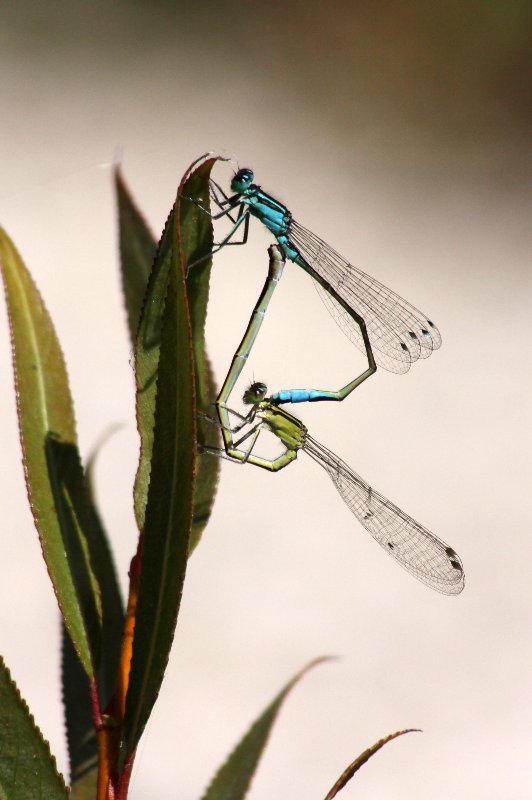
{"type": "Point", "coordinates": [232, 781]}
{"type": "Point", "coordinates": [207, 467]}
{"type": "Point", "coordinates": [169, 505]}
{"type": "Point", "coordinates": [104, 568]}
{"type": "Point", "coordinates": [81, 738]}
{"type": "Point", "coordinates": [80, 734]}
{"type": "Point", "coordinates": [147, 364]}
{"type": "Point", "coordinates": [53, 472]}
{"type": "Point", "coordinates": [348, 773]}
{"type": "Point", "coordinates": [137, 251]}
{"type": "Point", "coordinates": [68, 491]}
{"type": "Point", "coordinates": [197, 232]}
{"type": "Point", "coordinates": [27, 768]}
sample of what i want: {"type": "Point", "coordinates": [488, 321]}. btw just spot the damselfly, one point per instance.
{"type": "Point", "coordinates": [399, 332]}
{"type": "Point", "coordinates": [414, 547]}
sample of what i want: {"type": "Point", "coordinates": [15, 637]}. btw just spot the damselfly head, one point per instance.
{"type": "Point", "coordinates": [242, 180]}
{"type": "Point", "coordinates": [255, 393]}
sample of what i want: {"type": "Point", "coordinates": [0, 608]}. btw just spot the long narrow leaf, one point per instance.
{"type": "Point", "coordinates": [79, 726]}
{"type": "Point", "coordinates": [348, 773]}
{"type": "Point", "coordinates": [27, 768]}
{"type": "Point", "coordinates": [197, 232]}
{"type": "Point", "coordinates": [81, 737]}
{"type": "Point", "coordinates": [137, 251]}
{"type": "Point", "coordinates": [104, 568]}
{"type": "Point", "coordinates": [147, 353]}
{"type": "Point", "coordinates": [233, 779]}
{"type": "Point", "coordinates": [169, 507]}
{"type": "Point", "coordinates": [54, 477]}
{"type": "Point", "coordinates": [197, 229]}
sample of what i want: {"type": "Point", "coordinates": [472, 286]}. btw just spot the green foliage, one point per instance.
{"type": "Point", "coordinates": [233, 779]}
{"type": "Point", "coordinates": [362, 759]}
{"type": "Point", "coordinates": [27, 768]}
{"type": "Point", "coordinates": [79, 724]}
{"type": "Point", "coordinates": [51, 460]}
{"type": "Point", "coordinates": [137, 251]}
{"type": "Point", "coordinates": [148, 293]}
{"type": "Point", "coordinates": [166, 348]}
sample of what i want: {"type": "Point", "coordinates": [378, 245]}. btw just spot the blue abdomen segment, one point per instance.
{"type": "Point", "coordinates": [300, 396]}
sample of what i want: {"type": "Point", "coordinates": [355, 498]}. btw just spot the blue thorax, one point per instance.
{"type": "Point", "coordinates": [274, 215]}
{"type": "Point", "coordinates": [269, 211]}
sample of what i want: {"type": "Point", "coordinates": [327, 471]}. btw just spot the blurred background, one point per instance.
{"type": "Point", "coordinates": [398, 132]}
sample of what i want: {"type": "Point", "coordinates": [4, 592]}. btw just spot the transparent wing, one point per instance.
{"type": "Point", "coordinates": [399, 333]}
{"type": "Point", "coordinates": [413, 546]}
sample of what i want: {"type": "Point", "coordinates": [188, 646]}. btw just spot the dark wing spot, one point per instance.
{"type": "Point", "coordinates": [453, 558]}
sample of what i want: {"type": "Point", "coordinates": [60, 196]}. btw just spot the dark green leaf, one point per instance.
{"type": "Point", "coordinates": [197, 232]}
{"type": "Point", "coordinates": [111, 598]}
{"type": "Point", "coordinates": [54, 477]}
{"type": "Point", "coordinates": [80, 734]}
{"type": "Point", "coordinates": [207, 467]}
{"type": "Point", "coordinates": [27, 768]}
{"type": "Point", "coordinates": [169, 507]}
{"type": "Point", "coordinates": [147, 363]}
{"type": "Point", "coordinates": [348, 773]}
{"type": "Point", "coordinates": [144, 288]}
{"type": "Point", "coordinates": [197, 229]}
{"type": "Point", "coordinates": [137, 251]}
{"type": "Point", "coordinates": [79, 726]}
{"type": "Point", "coordinates": [73, 513]}
{"type": "Point", "coordinates": [233, 779]}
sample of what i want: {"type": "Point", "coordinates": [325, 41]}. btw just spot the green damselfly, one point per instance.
{"type": "Point", "coordinates": [414, 547]}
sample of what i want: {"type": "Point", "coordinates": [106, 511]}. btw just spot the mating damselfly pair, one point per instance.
{"type": "Point", "coordinates": [373, 317]}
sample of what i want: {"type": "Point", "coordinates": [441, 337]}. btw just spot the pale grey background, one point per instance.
{"type": "Point", "coordinates": [398, 132]}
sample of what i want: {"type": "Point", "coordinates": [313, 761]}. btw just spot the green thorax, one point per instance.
{"type": "Point", "coordinates": [286, 427]}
